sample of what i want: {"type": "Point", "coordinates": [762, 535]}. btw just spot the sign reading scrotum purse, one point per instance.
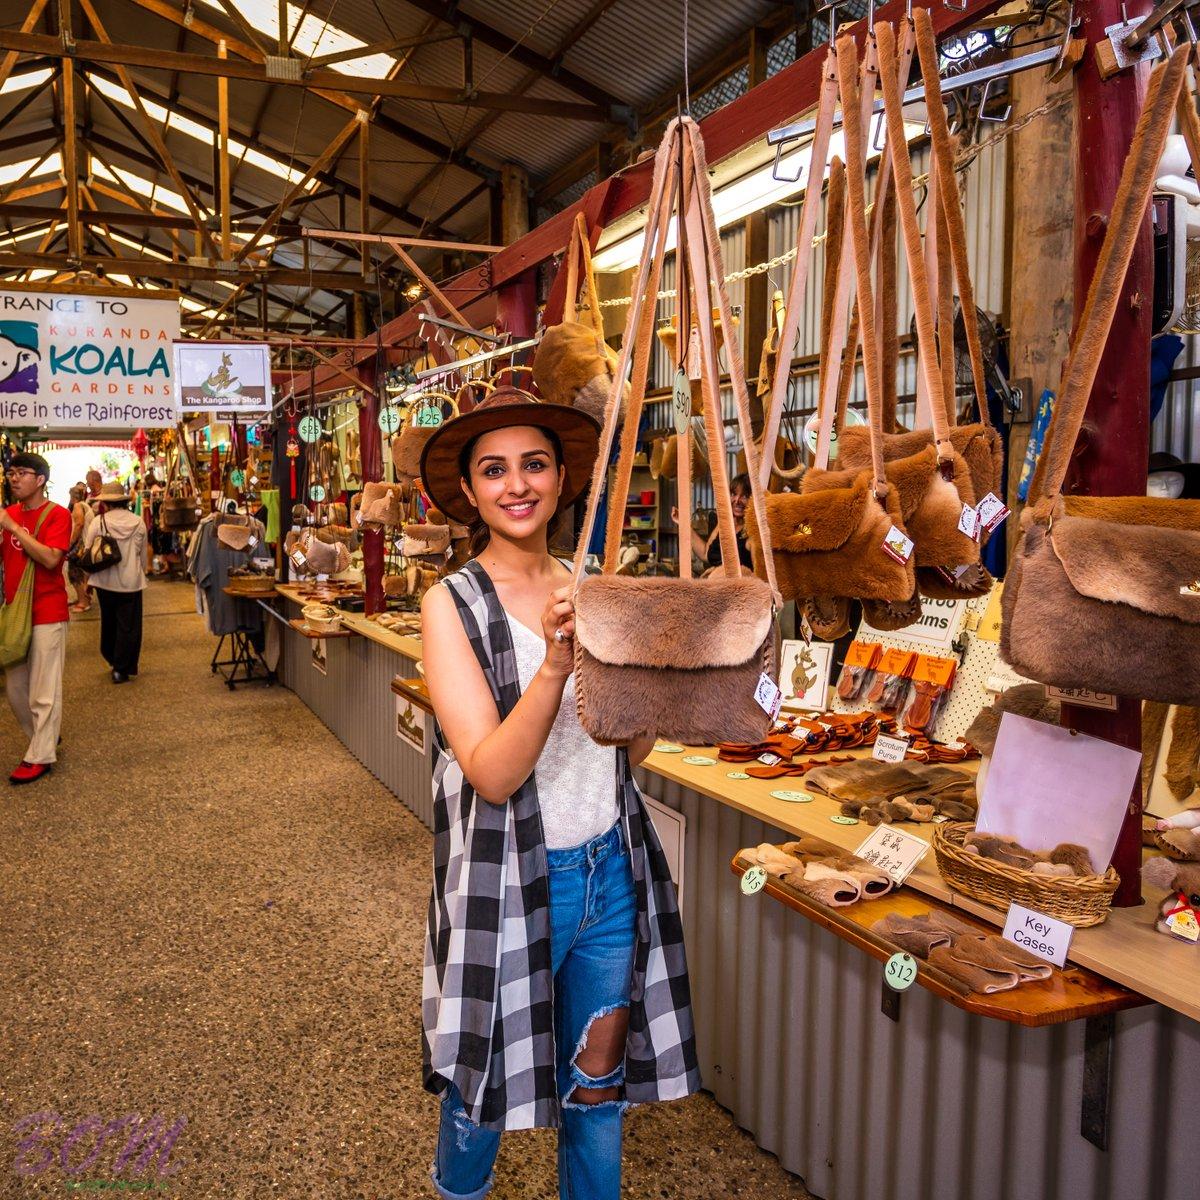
{"type": "Point", "coordinates": [91, 361]}
{"type": "Point", "coordinates": [228, 377]}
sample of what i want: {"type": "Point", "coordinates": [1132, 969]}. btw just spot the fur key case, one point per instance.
{"type": "Point", "coordinates": [691, 669]}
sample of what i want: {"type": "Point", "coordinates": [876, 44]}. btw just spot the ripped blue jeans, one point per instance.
{"type": "Point", "coordinates": [593, 933]}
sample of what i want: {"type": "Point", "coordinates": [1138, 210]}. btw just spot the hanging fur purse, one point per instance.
{"type": "Point", "coordinates": [233, 530]}
{"type": "Point", "coordinates": [380, 504]}
{"type": "Point", "coordinates": [1104, 593]}
{"type": "Point", "coordinates": [832, 540]}
{"type": "Point", "coordinates": [573, 364]}
{"type": "Point", "coordinates": [425, 539]}
{"type": "Point", "coordinates": [423, 414]}
{"type": "Point", "coordinates": [682, 658]}
{"type": "Point", "coordinates": [323, 558]}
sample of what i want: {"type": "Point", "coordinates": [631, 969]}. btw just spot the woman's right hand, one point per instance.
{"type": "Point", "coordinates": [558, 626]}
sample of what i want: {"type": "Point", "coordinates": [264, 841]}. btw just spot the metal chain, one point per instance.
{"type": "Point", "coordinates": [962, 160]}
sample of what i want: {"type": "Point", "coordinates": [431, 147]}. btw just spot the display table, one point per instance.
{"type": "Point", "coordinates": [791, 1038]}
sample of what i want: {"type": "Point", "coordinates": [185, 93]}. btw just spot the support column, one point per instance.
{"type": "Point", "coordinates": [514, 203]}
{"type": "Point", "coordinates": [516, 306]}
{"type": "Point", "coordinates": [370, 445]}
{"type": "Point", "coordinates": [1114, 444]}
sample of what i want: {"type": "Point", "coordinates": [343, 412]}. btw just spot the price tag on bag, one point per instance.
{"type": "Point", "coordinates": [894, 851]}
{"type": "Point", "coordinates": [768, 695]}
{"type": "Point", "coordinates": [992, 511]}
{"type": "Point", "coordinates": [681, 401]}
{"type": "Point", "coordinates": [889, 749]}
{"type": "Point", "coordinates": [898, 545]}
{"type": "Point", "coordinates": [969, 522]}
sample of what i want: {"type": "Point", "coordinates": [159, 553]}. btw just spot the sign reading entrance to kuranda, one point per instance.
{"type": "Point", "coordinates": [92, 360]}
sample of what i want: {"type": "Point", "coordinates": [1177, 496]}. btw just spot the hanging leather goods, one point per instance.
{"type": "Point", "coordinates": [682, 658]}
{"type": "Point", "coordinates": [1104, 592]}
{"type": "Point", "coordinates": [934, 482]}
{"type": "Point", "coordinates": [573, 364]}
{"type": "Point", "coordinates": [831, 541]}
{"type": "Point", "coordinates": [423, 414]}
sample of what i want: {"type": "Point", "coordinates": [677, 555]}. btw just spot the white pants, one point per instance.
{"type": "Point", "coordinates": [34, 690]}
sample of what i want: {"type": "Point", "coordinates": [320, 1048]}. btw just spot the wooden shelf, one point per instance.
{"type": "Point", "coordinates": [297, 623]}
{"type": "Point", "coordinates": [1071, 994]}
{"type": "Point", "coordinates": [415, 691]}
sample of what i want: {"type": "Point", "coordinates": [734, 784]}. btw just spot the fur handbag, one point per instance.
{"type": "Point", "coordinates": [233, 531]}
{"type": "Point", "coordinates": [425, 539]}
{"type": "Point", "coordinates": [831, 540]}
{"type": "Point", "coordinates": [323, 558]}
{"type": "Point", "coordinates": [678, 657]}
{"type": "Point", "coordinates": [573, 364]}
{"type": "Point", "coordinates": [1104, 593]}
{"type": "Point", "coordinates": [423, 414]}
{"type": "Point", "coordinates": [380, 504]}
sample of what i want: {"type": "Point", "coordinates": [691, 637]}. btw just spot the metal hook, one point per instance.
{"type": "Point", "coordinates": [983, 99]}
{"type": "Point", "coordinates": [1189, 30]}
{"type": "Point", "coordinates": [953, 7]}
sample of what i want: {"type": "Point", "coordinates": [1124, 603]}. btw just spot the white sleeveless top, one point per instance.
{"type": "Point", "coordinates": [576, 777]}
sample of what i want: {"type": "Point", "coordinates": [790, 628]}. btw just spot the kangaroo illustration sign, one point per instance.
{"type": "Point", "coordinates": [223, 377]}
{"type": "Point", "coordinates": [83, 360]}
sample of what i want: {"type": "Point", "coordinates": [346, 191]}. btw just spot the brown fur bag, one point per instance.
{"type": "Point", "coordinates": [417, 428]}
{"type": "Point", "coordinates": [1110, 600]}
{"type": "Point", "coordinates": [573, 364]}
{"type": "Point", "coordinates": [380, 504]}
{"type": "Point", "coordinates": [683, 657]}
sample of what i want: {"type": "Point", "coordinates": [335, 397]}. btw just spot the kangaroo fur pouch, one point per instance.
{"type": "Point", "coordinates": [1109, 606]}
{"type": "Point", "coordinates": [675, 658]}
{"type": "Point", "coordinates": [829, 542]}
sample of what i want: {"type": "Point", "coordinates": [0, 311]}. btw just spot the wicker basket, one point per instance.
{"type": "Point", "coordinates": [317, 617]}
{"type": "Point", "coordinates": [252, 585]}
{"type": "Point", "coordinates": [1079, 900]}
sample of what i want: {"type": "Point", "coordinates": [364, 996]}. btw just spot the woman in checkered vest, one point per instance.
{"type": "Point", "coordinates": [555, 983]}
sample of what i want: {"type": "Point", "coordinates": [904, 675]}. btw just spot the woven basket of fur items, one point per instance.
{"type": "Point", "coordinates": [381, 504]}
{"type": "Point", "coordinates": [321, 618]}
{"type": "Point", "coordinates": [1080, 900]}
{"type": "Point", "coordinates": [831, 543]}
{"type": "Point", "coordinates": [676, 658]}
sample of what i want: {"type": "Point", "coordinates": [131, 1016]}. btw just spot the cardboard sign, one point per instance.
{"type": "Point", "coordinates": [894, 851]}
{"type": "Point", "coordinates": [1047, 937]}
{"type": "Point", "coordinates": [889, 749]}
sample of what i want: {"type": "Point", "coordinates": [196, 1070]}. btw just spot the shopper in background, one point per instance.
{"type": "Point", "coordinates": [120, 586]}
{"type": "Point", "coordinates": [34, 687]}
{"type": "Point", "coordinates": [548, 972]}
{"type": "Point", "coordinates": [81, 514]}
{"type": "Point", "coordinates": [709, 550]}
{"type": "Point", "coordinates": [94, 483]}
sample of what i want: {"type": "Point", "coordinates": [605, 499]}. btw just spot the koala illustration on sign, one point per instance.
{"type": "Point", "coordinates": [14, 358]}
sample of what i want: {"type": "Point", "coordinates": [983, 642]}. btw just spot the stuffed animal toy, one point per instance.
{"type": "Point", "coordinates": [1179, 835]}
{"type": "Point", "coordinates": [1179, 913]}
{"type": "Point", "coordinates": [380, 504]}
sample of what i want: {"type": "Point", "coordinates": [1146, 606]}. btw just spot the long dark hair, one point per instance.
{"type": "Point", "coordinates": [479, 531]}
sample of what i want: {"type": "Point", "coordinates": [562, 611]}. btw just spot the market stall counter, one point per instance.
{"type": "Point", "coordinates": [791, 1033]}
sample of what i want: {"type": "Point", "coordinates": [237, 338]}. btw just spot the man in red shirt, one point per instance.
{"type": "Point", "coordinates": [34, 687]}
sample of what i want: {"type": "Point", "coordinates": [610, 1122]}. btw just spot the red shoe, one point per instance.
{"type": "Point", "coordinates": [29, 772]}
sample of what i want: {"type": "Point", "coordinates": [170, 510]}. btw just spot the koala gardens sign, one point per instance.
{"type": "Point", "coordinates": [83, 361]}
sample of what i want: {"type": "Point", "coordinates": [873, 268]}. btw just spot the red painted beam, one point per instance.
{"type": "Point", "coordinates": [788, 94]}
{"type": "Point", "coordinates": [1114, 445]}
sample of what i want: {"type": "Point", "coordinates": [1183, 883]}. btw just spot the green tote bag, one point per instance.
{"type": "Point", "coordinates": [16, 619]}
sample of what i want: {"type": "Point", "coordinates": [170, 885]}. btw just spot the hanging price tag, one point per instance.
{"type": "Point", "coordinates": [900, 972]}
{"type": "Point", "coordinates": [681, 401]}
{"type": "Point", "coordinates": [969, 522]}
{"type": "Point", "coordinates": [316, 492]}
{"type": "Point", "coordinates": [754, 880]}
{"type": "Point", "coordinates": [898, 545]}
{"type": "Point", "coordinates": [309, 429]}
{"type": "Point", "coordinates": [992, 511]}
{"type": "Point", "coordinates": [389, 419]}
{"type": "Point", "coordinates": [237, 477]}
{"type": "Point", "coordinates": [768, 695]}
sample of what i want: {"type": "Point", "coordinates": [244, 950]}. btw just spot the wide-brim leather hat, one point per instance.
{"type": "Point", "coordinates": [111, 493]}
{"type": "Point", "coordinates": [506, 407]}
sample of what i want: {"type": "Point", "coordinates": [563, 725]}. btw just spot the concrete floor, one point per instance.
{"type": "Point", "coordinates": [212, 912]}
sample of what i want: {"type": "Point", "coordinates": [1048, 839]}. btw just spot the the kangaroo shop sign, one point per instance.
{"type": "Point", "coordinates": [86, 361]}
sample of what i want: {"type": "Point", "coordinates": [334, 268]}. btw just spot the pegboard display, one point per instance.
{"type": "Point", "coordinates": [942, 623]}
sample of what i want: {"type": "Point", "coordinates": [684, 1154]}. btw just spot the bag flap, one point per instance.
{"type": "Point", "coordinates": [1154, 569]}
{"type": "Point", "coordinates": [660, 621]}
{"type": "Point", "coordinates": [817, 520]}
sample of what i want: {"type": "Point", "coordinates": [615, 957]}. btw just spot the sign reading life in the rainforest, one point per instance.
{"type": "Point", "coordinates": [86, 361]}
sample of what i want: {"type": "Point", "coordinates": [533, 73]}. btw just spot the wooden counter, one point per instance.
{"type": "Point", "coordinates": [1126, 948]}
